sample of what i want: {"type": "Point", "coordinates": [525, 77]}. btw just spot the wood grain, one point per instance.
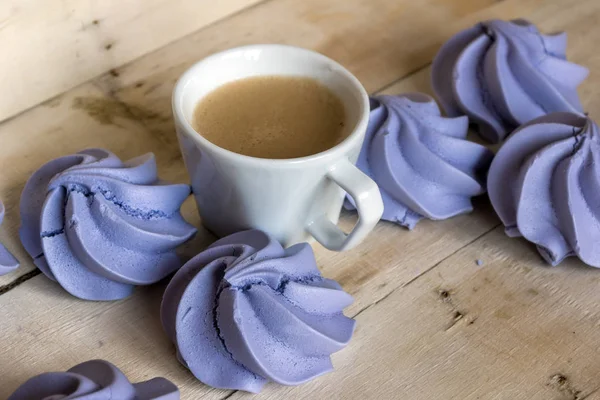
{"type": "Point", "coordinates": [379, 41]}
{"type": "Point", "coordinates": [119, 102]}
{"type": "Point", "coordinates": [49, 46]}
{"type": "Point", "coordinates": [82, 118]}
{"type": "Point", "coordinates": [512, 328]}
{"type": "Point", "coordinates": [432, 324]}
{"type": "Point", "coordinates": [75, 331]}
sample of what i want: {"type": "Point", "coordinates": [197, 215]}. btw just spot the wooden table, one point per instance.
{"type": "Point", "coordinates": [432, 323]}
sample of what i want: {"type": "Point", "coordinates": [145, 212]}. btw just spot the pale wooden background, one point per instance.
{"type": "Point", "coordinates": [432, 324]}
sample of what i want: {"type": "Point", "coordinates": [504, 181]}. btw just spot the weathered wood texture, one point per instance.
{"type": "Point", "coordinates": [49, 46]}
{"type": "Point", "coordinates": [432, 324]}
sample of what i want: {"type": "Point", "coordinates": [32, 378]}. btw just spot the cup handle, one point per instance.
{"type": "Point", "coordinates": [369, 205]}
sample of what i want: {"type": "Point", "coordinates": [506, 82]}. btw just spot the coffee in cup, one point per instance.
{"type": "Point", "coordinates": [274, 117]}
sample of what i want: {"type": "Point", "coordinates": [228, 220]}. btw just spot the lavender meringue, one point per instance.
{"type": "Point", "coordinates": [422, 162]}
{"type": "Point", "coordinates": [544, 186]}
{"type": "Point", "coordinates": [99, 226]}
{"type": "Point", "coordinates": [246, 311]}
{"type": "Point", "coordinates": [8, 262]}
{"type": "Point", "coordinates": [93, 380]}
{"type": "Point", "coordinates": [503, 74]}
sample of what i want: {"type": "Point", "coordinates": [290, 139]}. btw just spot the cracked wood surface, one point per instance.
{"type": "Point", "coordinates": [432, 324]}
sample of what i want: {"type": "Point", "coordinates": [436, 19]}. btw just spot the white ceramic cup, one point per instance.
{"type": "Point", "coordinates": [291, 199]}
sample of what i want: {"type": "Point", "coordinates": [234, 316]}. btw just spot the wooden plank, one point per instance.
{"type": "Point", "coordinates": [148, 101]}
{"type": "Point", "coordinates": [55, 330]}
{"type": "Point", "coordinates": [128, 333]}
{"type": "Point", "coordinates": [368, 272]}
{"type": "Point", "coordinates": [512, 328]}
{"type": "Point", "coordinates": [580, 24]}
{"type": "Point", "coordinates": [52, 328]}
{"type": "Point", "coordinates": [509, 329]}
{"type": "Point", "coordinates": [49, 46]}
{"type": "Point", "coordinates": [384, 260]}
{"type": "Point", "coordinates": [82, 118]}
{"type": "Point", "coordinates": [410, 342]}
{"type": "Point", "coordinates": [379, 40]}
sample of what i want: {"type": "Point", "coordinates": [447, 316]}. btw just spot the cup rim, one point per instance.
{"type": "Point", "coordinates": [344, 146]}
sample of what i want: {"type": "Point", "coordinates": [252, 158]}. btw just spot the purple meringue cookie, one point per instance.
{"type": "Point", "coordinates": [246, 311]}
{"type": "Point", "coordinates": [8, 262]}
{"type": "Point", "coordinates": [93, 380]}
{"type": "Point", "coordinates": [99, 226]}
{"type": "Point", "coordinates": [504, 74]}
{"type": "Point", "coordinates": [545, 186]}
{"type": "Point", "coordinates": [422, 162]}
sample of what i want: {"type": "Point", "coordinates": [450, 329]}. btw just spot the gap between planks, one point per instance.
{"type": "Point", "coordinates": [115, 69]}
{"type": "Point", "coordinates": [112, 96]}
{"type": "Point", "coordinates": [427, 270]}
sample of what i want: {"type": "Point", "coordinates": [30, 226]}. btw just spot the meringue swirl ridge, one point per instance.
{"type": "Point", "coordinates": [503, 74]}
{"type": "Point", "coordinates": [93, 380]}
{"type": "Point", "coordinates": [99, 226]}
{"type": "Point", "coordinates": [246, 311]}
{"type": "Point", "coordinates": [552, 171]}
{"type": "Point", "coordinates": [422, 162]}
